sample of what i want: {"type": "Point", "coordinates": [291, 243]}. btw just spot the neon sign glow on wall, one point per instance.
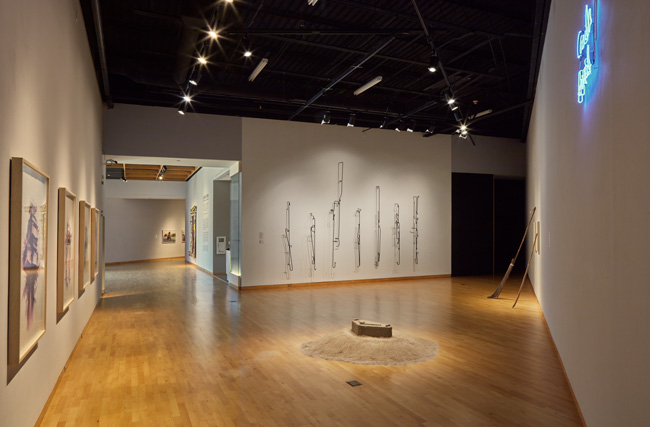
{"type": "Point", "coordinates": [586, 52]}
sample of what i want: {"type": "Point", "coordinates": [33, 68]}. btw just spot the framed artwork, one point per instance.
{"type": "Point", "coordinates": [29, 192]}
{"type": "Point", "coordinates": [84, 246]}
{"type": "Point", "coordinates": [65, 250]}
{"type": "Point", "coordinates": [94, 247]}
{"type": "Point", "coordinates": [192, 251]}
{"type": "Point", "coordinates": [183, 236]}
{"type": "Point", "coordinates": [168, 236]}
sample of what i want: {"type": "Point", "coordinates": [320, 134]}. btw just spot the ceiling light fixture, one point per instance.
{"type": "Point", "coordinates": [451, 102]}
{"type": "Point", "coordinates": [162, 172]}
{"type": "Point", "coordinates": [352, 120]}
{"type": "Point", "coordinates": [213, 34]}
{"type": "Point", "coordinates": [312, 2]}
{"type": "Point", "coordinates": [326, 118]}
{"type": "Point", "coordinates": [433, 64]}
{"type": "Point", "coordinates": [248, 54]}
{"type": "Point", "coordinates": [258, 69]}
{"type": "Point", "coordinates": [202, 60]}
{"type": "Point", "coordinates": [193, 82]}
{"type": "Point", "coordinates": [400, 126]}
{"type": "Point", "coordinates": [383, 124]}
{"type": "Point", "coordinates": [187, 98]}
{"type": "Point", "coordinates": [368, 85]}
{"type": "Point", "coordinates": [411, 126]}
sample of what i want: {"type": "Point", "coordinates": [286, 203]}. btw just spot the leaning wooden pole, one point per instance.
{"type": "Point", "coordinates": [512, 262]}
{"type": "Point", "coordinates": [532, 251]}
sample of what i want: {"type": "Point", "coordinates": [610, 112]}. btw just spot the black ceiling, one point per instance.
{"type": "Point", "coordinates": [318, 55]}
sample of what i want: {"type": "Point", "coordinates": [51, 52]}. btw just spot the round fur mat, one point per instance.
{"type": "Point", "coordinates": [345, 346]}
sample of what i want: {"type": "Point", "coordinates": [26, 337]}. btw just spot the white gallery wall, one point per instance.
{"type": "Point", "coordinates": [134, 228]}
{"type": "Point", "coordinates": [200, 193]}
{"type": "Point", "coordinates": [132, 189]}
{"type": "Point", "coordinates": [135, 130]}
{"type": "Point", "coordinates": [298, 163]}
{"type": "Point", "coordinates": [504, 157]}
{"type": "Point", "coordinates": [51, 116]}
{"type": "Point", "coordinates": [590, 180]}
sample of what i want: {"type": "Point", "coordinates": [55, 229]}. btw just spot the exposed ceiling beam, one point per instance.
{"type": "Point", "coordinates": [343, 75]}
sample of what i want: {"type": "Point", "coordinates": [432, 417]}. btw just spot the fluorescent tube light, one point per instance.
{"type": "Point", "coordinates": [368, 85]}
{"type": "Point", "coordinates": [258, 69]}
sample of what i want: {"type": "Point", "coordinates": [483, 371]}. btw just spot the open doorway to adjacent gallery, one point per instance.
{"type": "Point", "coordinates": [169, 208]}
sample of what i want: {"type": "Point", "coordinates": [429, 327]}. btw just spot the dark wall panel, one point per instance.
{"type": "Point", "coordinates": [471, 224]}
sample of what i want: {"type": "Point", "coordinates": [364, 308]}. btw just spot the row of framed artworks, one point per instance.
{"type": "Point", "coordinates": [28, 260]}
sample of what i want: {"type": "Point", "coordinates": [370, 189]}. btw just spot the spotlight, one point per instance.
{"type": "Point", "coordinates": [193, 82]}
{"type": "Point", "coordinates": [213, 34]}
{"type": "Point", "coordinates": [162, 172]}
{"type": "Point", "coordinates": [400, 127]}
{"type": "Point", "coordinates": [433, 64]}
{"type": "Point", "coordinates": [368, 85]}
{"type": "Point", "coordinates": [326, 118]}
{"type": "Point", "coordinates": [411, 126]}
{"type": "Point", "coordinates": [451, 102]}
{"type": "Point", "coordinates": [463, 128]}
{"type": "Point", "coordinates": [248, 54]}
{"type": "Point", "coordinates": [124, 179]}
{"type": "Point", "coordinates": [181, 112]}
{"type": "Point", "coordinates": [312, 2]}
{"type": "Point", "coordinates": [352, 120]}
{"type": "Point", "coordinates": [187, 98]}
{"type": "Point", "coordinates": [202, 60]}
{"type": "Point", "coordinates": [383, 124]}
{"type": "Point", "coordinates": [258, 69]}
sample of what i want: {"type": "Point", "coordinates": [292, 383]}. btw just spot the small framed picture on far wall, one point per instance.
{"type": "Point", "coordinates": [168, 236]}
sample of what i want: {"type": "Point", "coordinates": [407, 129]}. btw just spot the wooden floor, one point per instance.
{"type": "Point", "coordinates": [170, 345]}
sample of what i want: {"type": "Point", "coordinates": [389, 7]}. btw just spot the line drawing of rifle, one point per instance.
{"type": "Point", "coordinates": [396, 234]}
{"type": "Point", "coordinates": [287, 236]}
{"type": "Point", "coordinates": [377, 226]}
{"type": "Point", "coordinates": [312, 238]}
{"type": "Point", "coordinates": [358, 239]}
{"type": "Point", "coordinates": [336, 212]}
{"type": "Point", "coordinates": [414, 229]}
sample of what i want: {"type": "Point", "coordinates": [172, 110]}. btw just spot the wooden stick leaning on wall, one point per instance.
{"type": "Point", "coordinates": [532, 251]}
{"type": "Point", "coordinates": [497, 292]}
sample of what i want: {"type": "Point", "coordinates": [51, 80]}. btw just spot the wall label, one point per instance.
{"type": "Point", "coordinates": [586, 52]}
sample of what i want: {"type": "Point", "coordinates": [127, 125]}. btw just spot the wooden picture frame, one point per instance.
{"type": "Point", "coordinates": [98, 234]}
{"type": "Point", "coordinates": [84, 263]}
{"type": "Point", "coordinates": [94, 247]}
{"type": "Point", "coordinates": [28, 218]}
{"type": "Point", "coordinates": [65, 250]}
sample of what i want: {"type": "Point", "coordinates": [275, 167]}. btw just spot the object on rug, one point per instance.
{"type": "Point", "coordinates": [371, 329]}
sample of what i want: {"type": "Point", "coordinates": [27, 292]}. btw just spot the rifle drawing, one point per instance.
{"type": "Point", "coordinates": [312, 239]}
{"type": "Point", "coordinates": [396, 235]}
{"type": "Point", "coordinates": [358, 239]}
{"type": "Point", "coordinates": [414, 229]}
{"type": "Point", "coordinates": [377, 226]}
{"type": "Point", "coordinates": [287, 236]}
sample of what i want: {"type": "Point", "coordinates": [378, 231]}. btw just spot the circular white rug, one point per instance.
{"type": "Point", "coordinates": [345, 346]}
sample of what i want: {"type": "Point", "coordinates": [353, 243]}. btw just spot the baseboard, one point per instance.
{"type": "Point", "coordinates": [145, 260]}
{"type": "Point", "coordinates": [342, 282]}
{"type": "Point", "coordinates": [559, 357]}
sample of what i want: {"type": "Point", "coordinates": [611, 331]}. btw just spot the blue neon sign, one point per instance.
{"type": "Point", "coordinates": [586, 52]}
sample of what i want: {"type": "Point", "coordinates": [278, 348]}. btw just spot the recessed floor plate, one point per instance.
{"type": "Point", "coordinates": [353, 383]}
